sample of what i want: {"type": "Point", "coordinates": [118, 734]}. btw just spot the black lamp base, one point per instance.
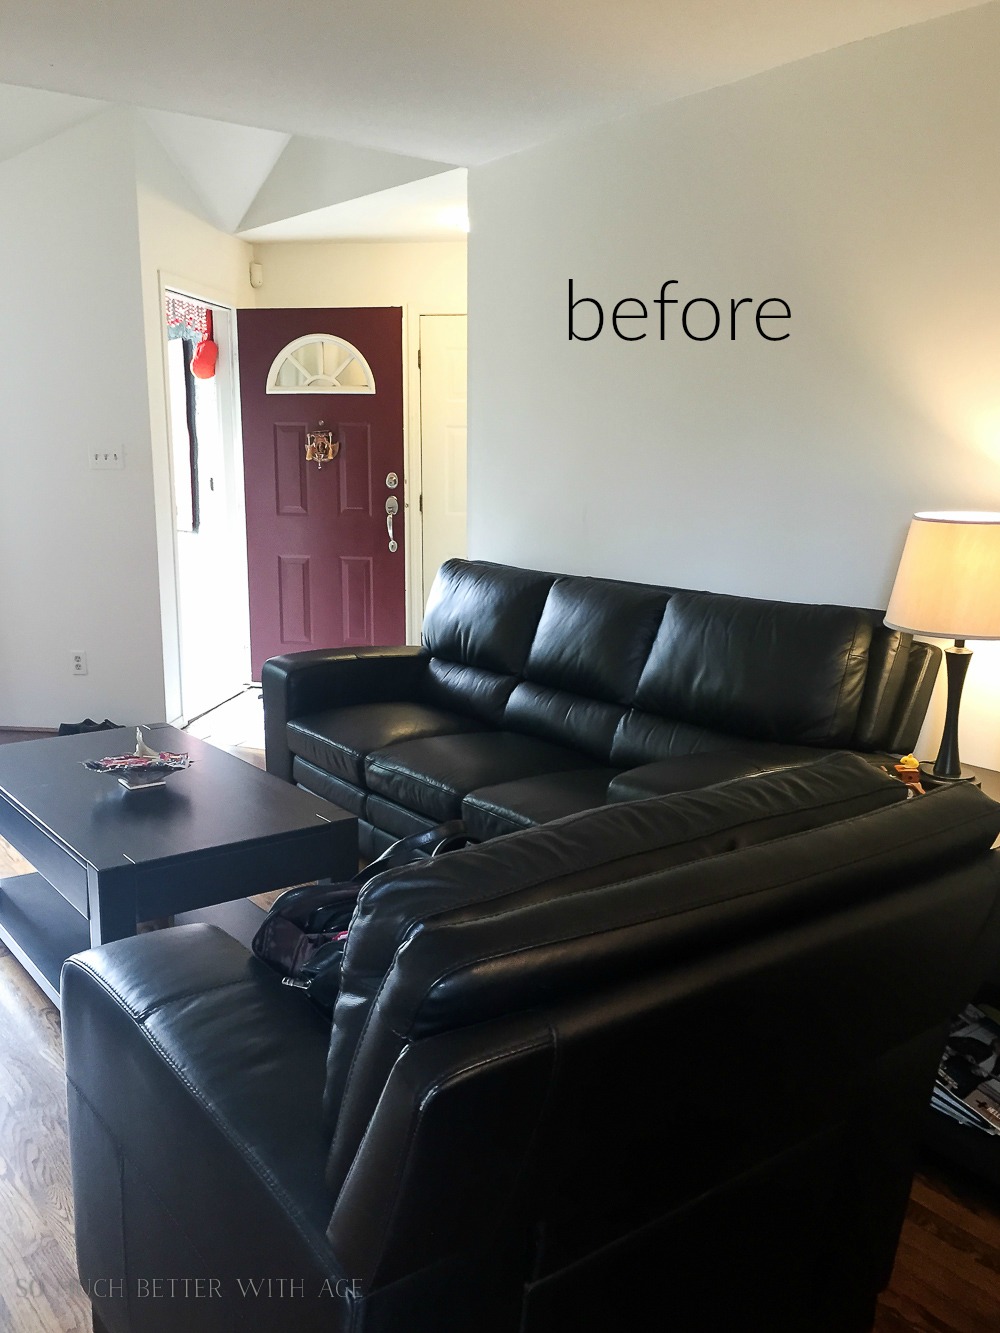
{"type": "Point", "coordinates": [936, 779]}
{"type": "Point", "coordinates": [947, 765]}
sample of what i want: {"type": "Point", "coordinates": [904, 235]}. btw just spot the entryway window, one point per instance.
{"type": "Point", "coordinates": [320, 363]}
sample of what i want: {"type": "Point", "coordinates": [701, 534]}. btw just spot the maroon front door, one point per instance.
{"type": "Point", "coordinates": [322, 574]}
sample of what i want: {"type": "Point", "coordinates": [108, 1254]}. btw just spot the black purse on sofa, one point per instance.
{"type": "Point", "coordinates": [304, 934]}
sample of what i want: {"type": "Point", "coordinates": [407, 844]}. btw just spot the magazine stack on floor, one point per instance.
{"type": "Point", "coordinates": [968, 1082]}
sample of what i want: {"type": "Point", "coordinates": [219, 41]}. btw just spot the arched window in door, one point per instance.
{"type": "Point", "coordinates": [320, 363]}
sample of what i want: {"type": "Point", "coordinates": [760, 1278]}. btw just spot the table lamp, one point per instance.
{"type": "Point", "coordinates": [948, 587]}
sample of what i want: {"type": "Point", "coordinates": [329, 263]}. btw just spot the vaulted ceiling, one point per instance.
{"type": "Point", "coordinates": [237, 93]}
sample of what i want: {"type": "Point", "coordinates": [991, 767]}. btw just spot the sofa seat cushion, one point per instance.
{"type": "Point", "coordinates": [434, 775]}
{"type": "Point", "coordinates": [338, 739]}
{"type": "Point", "coordinates": [688, 772]}
{"type": "Point", "coordinates": [335, 790]}
{"type": "Point", "coordinates": [570, 855]}
{"type": "Point", "coordinates": [394, 819]}
{"type": "Point", "coordinates": [510, 806]}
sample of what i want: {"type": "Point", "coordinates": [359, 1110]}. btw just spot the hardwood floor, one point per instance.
{"type": "Point", "coordinates": [947, 1274]}
{"type": "Point", "coordinates": [39, 1291]}
{"type": "Point", "coordinates": [8, 734]}
{"type": "Point", "coordinates": [946, 1279]}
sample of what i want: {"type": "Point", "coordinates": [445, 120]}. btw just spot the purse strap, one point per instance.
{"type": "Point", "coordinates": [447, 837]}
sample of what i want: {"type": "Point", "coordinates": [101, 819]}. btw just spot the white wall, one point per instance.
{"type": "Point", "coordinates": [92, 221]}
{"type": "Point", "coordinates": [78, 565]}
{"type": "Point", "coordinates": [429, 274]}
{"type": "Point", "coordinates": [860, 186]}
{"type": "Point", "coordinates": [424, 277]}
{"type": "Point", "coordinates": [180, 249]}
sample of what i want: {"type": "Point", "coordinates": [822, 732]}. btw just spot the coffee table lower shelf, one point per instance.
{"type": "Point", "coordinates": [42, 930]}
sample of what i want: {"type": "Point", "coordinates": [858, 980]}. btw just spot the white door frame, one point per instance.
{"type": "Point", "coordinates": [412, 479]}
{"type": "Point", "coordinates": [227, 372]}
{"type": "Point", "coordinates": [413, 455]}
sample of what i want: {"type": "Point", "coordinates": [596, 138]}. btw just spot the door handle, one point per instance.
{"type": "Point", "coordinates": [391, 508]}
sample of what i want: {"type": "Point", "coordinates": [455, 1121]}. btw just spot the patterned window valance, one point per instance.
{"type": "Point", "coordinates": [186, 318]}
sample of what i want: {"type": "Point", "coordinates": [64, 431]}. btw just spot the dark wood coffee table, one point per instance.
{"type": "Point", "coordinates": [108, 858]}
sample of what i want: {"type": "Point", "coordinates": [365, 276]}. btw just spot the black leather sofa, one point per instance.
{"type": "Point", "coordinates": [667, 1056]}
{"type": "Point", "coordinates": [537, 695]}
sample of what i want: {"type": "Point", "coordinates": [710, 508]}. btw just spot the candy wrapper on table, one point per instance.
{"type": "Point", "coordinates": [145, 768]}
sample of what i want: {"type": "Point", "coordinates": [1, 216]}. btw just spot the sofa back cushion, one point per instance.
{"type": "Point", "coordinates": [594, 663]}
{"type": "Point", "coordinates": [458, 688]}
{"type": "Point", "coordinates": [484, 615]}
{"type": "Point", "coordinates": [589, 649]}
{"type": "Point", "coordinates": [611, 921]}
{"type": "Point", "coordinates": [644, 738]}
{"type": "Point", "coordinates": [594, 636]}
{"type": "Point", "coordinates": [571, 855]}
{"type": "Point", "coordinates": [563, 718]}
{"type": "Point", "coordinates": [479, 626]}
{"type": "Point", "coordinates": [776, 671]}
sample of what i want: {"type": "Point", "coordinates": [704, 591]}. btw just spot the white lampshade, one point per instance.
{"type": "Point", "coordinates": [948, 582]}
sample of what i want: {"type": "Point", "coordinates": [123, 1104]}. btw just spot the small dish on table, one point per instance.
{"type": "Point", "coordinates": [145, 770]}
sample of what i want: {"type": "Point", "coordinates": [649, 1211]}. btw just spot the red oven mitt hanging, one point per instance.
{"type": "Point", "coordinates": [206, 354]}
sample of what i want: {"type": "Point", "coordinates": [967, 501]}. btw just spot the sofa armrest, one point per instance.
{"type": "Point", "coordinates": [921, 673]}
{"type": "Point", "coordinates": [196, 1139]}
{"type": "Point", "coordinates": [301, 683]}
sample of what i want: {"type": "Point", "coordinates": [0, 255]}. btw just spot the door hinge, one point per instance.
{"type": "Point", "coordinates": [418, 358]}
{"type": "Point", "coordinates": [420, 503]}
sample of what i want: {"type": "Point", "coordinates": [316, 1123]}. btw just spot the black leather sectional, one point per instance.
{"type": "Point", "coordinates": [669, 1055]}
{"type": "Point", "coordinates": [537, 695]}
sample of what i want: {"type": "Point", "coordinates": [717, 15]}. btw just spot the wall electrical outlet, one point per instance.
{"type": "Point", "coordinates": [79, 661]}
{"type": "Point", "coordinates": [111, 458]}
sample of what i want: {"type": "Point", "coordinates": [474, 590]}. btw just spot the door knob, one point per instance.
{"type": "Point", "coordinates": [391, 508]}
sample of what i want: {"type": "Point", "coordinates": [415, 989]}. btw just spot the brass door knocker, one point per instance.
{"type": "Point", "coordinates": [321, 447]}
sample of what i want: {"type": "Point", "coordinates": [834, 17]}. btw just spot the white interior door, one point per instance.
{"type": "Point", "coordinates": [443, 404]}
